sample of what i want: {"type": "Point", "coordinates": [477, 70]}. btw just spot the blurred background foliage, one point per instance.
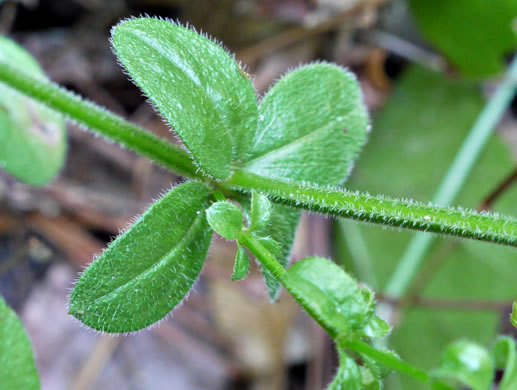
{"type": "Point", "coordinates": [426, 70]}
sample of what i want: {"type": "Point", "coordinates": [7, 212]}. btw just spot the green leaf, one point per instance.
{"type": "Point", "coordinates": [504, 355]}
{"type": "Point", "coordinates": [474, 34]}
{"type": "Point", "coordinates": [417, 125]}
{"type": "Point", "coordinates": [331, 297]}
{"type": "Point", "coordinates": [16, 358]}
{"type": "Point", "coordinates": [197, 86]}
{"type": "Point", "coordinates": [226, 219]}
{"type": "Point", "coordinates": [242, 264]}
{"type": "Point", "coordinates": [376, 328]}
{"type": "Point", "coordinates": [467, 363]}
{"type": "Point", "coordinates": [368, 380]}
{"type": "Point", "coordinates": [314, 114]}
{"type": "Point", "coordinates": [513, 318]}
{"type": "Point", "coordinates": [32, 137]}
{"type": "Point", "coordinates": [150, 268]}
{"type": "Point", "coordinates": [260, 211]}
{"type": "Point", "coordinates": [348, 376]}
{"type": "Point", "coordinates": [281, 229]}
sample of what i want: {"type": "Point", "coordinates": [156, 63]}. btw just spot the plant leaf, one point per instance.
{"type": "Point", "coordinates": [32, 137]}
{"type": "Point", "coordinates": [368, 380]}
{"type": "Point", "coordinates": [331, 297]}
{"type": "Point", "coordinates": [454, 27]}
{"type": "Point", "coordinates": [226, 219]}
{"type": "Point", "coordinates": [281, 228]}
{"type": "Point", "coordinates": [18, 370]}
{"type": "Point", "coordinates": [513, 318]}
{"type": "Point", "coordinates": [242, 264]}
{"type": "Point", "coordinates": [197, 86]}
{"type": "Point", "coordinates": [467, 363]}
{"type": "Point", "coordinates": [260, 211]}
{"type": "Point", "coordinates": [348, 376]}
{"type": "Point", "coordinates": [314, 114]}
{"type": "Point", "coordinates": [504, 355]}
{"type": "Point", "coordinates": [150, 268]}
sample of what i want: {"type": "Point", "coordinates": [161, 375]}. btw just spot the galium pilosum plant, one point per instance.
{"type": "Point", "coordinates": [253, 166]}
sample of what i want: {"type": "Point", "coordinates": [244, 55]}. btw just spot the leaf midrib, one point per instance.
{"type": "Point", "coordinates": [169, 254]}
{"type": "Point", "coordinates": [292, 143]}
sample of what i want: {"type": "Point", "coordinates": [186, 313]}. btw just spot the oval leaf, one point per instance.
{"type": "Point", "coordinates": [226, 219]}
{"type": "Point", "coordinates": [314, 114]}
{"type": "Point", "coordinates": [150, 268]}
{"type": "Point", "coordinates": [197, 86]}
{"type": "Point", "coordinates": [467, 363]}
{"type": "Point", "coordinates": [513, 318]}
{"type": "Point", "coordinates": [32, 137]}
{"type": "Point", "coordinates": [18, 370]}
{"type": "Point", "coordinates": [242, 264]}
{"type": "Point", "coordinates": [331, 297]}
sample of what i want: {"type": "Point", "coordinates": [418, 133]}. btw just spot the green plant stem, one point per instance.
{"type": "Point", "coordinates": [269, 262]}
{"type": "Point", "coordinates": [455, 178]}
{"type": "Point", "coordinates": [389, 360]}
{"type": "Point", "coordinates": [335, 202]}
{"type": "Point", "coordinates": [265, 257]}
{"type": "Point", "coordinates": [379, 209]}
{"type": "Point", "coordinates": [99, 120]}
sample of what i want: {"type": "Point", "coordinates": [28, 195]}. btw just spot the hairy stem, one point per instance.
{"type": "Point", "coordinates": [378, 209]}
{"type": "Point", "coordinates": [99, 120]}
{"type": "Point", "coordinates": [265, 257]}
{"type": "Point", "coordinates": [335, 202]}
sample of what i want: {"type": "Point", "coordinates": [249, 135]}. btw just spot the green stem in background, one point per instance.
{"type": "Point", "coordinates": [99, 120]}
{"type": "Point", "coordinates": [379, 209]}
{"type": "Point", "coordinates": [358, 248]}
{"type": "Point", "coordinates": [389, 360]}
{"type": "Point", "coordinates": [455, 178]}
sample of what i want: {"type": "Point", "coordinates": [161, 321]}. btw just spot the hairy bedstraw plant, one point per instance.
{"type": "Point", "coordinates": [290, 151]}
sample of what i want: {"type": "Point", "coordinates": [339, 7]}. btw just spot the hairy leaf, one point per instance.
{"type": "Point", "coordinates": [504, 354]}
{"type": "Point", "coordinates": [281, 229]}
{"type": "Point", "coordinates": [368, 379]}
{"type": "Point", "coordinates": [312, 125]}
{"type": "Point", "coordinates": [226, 219]}
{"type": "Point", "coordinates": [331, 297]}
{"type": "Point", "coordinates": [148, 269]}
{"type": "Point", "coordinates": [242, 264]}
{"type": "Point", "coordinates": [424, 123]}
{"type": "Point", "coordinates": [32, 137]}
{"type": "Point", "coordinates": [260, 211]}
{"type": "Point", "coordinates": [18, 370]}
{"type": "Point", "coordinates": [197, 86]}
{"type": "Point", "coordinates": [467, 363]}
{"type": "Point", "coordinates": [474, 34]}
{"type": "Point", "coordinates": [348, 376]}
